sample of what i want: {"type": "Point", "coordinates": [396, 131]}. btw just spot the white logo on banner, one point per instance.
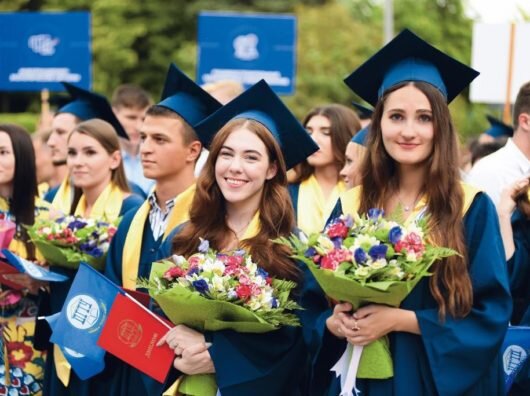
{"type": "Point", "coordinates": [83, 312]}
{"type": "Point", "coordinates": [43, 44]}
{"type": "Point", "coordinates": [246, 47]}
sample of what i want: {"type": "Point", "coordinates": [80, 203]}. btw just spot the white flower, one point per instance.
{"type": "Point", "coordinates": [254, 304]}
{"type": "Point", "coordinates": [414, 228]}
{"type": "Point", "coordinates": [325, 244]}
{"type": "Point", "coordinates": [411, 256]}
{"type": "Point", "coordinates": [378, 264]}
{"type": "Point", "coordinates": [178, 260]}
{"type": "Point", "coordinates": [218, 283]}
{"type": "Point", "coordinates": [365, 241]}
{"type": "Point", "coordinates": [362, 272]}
{"type": "Point", "coordinates": [303, 237]}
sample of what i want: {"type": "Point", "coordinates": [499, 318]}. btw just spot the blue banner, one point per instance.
{"type": "Point", "coordinates": [247, 48]}
{"type": "Point", "coordinates": [77, 328]}
{"type": "Point", "coordinates": [40, 49]}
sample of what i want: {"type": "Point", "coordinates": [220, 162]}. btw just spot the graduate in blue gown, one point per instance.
{"type": "Point", "coordinates": [100, 192]}
{"type": "Point", "coordinates": [242, 202]}
{"type": "Point", "coordinates": [170, 148]}
{"type": "Point", "coordinates": [445, 336]}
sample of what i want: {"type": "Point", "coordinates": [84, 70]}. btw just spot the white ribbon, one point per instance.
{"type": "Point", "coordinates": [346, 368]}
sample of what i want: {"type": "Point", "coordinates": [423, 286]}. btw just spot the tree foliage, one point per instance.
{"type": "Point", "coordinates": [135, 40]}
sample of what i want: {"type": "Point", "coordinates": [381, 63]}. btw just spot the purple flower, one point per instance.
{"type": "Point", "coordinates": [76, 224]}
{"type": "Point", "coordinates": [204, 246]}
{"type": "Point", "coordinates": [360, 256]}
{"type": "Point", "coordinates": [378, 252]}
{"type": "Point", "coordinates": [240, 252]}
{"type": "Point", "coordinates": [348, 221]}
{"type": "Point", "coordinates": [337, 242]}
{"type": "Point", "coordinates": [375, 213]}
{"type": "Point", "coordinates": [200, 285]}
{"type": "Point", "coordinates": [395, 234]}
{"type": "Point", "coordinates": [193, 271]}
{"type": "Point", "coordinates": [311, 252]}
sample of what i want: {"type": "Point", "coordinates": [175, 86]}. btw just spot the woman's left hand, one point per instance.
{"type": "Point", "coordinates": [181, 337]}
{"type": "Point", "coordinates": [195, 360]}
{"type": "Point", "coordinates": [375, 321]}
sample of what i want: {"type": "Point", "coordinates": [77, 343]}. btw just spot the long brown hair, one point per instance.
{"type": "Point", "coordinates": [344, 123]}
{"type": "Point", "coordinates": [208, 209]}
{"type": "Point", "coordinates": [450, 284]}
{"type": "Point", "coordinates": [106, 135]}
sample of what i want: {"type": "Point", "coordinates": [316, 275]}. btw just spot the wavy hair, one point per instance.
{"type": "Point", "coordinates": [208, 209]}
{"type": "Point", "coordinates": [450, 284]}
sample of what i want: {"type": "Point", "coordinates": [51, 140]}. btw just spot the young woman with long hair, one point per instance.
{"type": "Point", "coordinates": [100, 192]}
{"type": "Point", "coordinates": [242, 201]}
{"type": "Point", "coordinates": [23, 365]}
{"type": "Point", "coordinates": [446, 335]}
{"type": "Point", "coordinates": [318, 183]}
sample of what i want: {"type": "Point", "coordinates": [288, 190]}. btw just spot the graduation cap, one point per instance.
{"type": "Point", "coordinates": [183, 96]}
{"type": "Point", "coordinates": [361, 136]}
{"type": "Point", "coordinates": [498, 128]}
{"type": "Point", "coordinates": [261, 104]}
{"type": "Point", "coordinates": [59, 101]}
{"type": "Point", "coordinates": [86, 105]}
{"type": "Point", "coordinates": [409, 58]}
{"type": "Point", "coordinates": [363, 111]}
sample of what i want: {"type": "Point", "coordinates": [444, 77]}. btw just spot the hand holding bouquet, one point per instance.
{"type": "Point", "coordinates": [217, 291]}
{"type": "Point", "coordinates": [366, 260]}
{"type": "Point", "coordinates": [69, 240]}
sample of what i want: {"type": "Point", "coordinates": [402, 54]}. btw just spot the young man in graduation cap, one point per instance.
{"type": "Point", "coordinates": [84, 106]}
{"type": "Point", "coordinates": [169, 149]}
{"type": "Point", "coordinates": [511, 163]}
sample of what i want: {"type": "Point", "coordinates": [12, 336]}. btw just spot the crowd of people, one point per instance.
{"type": "Point", "coordinates": [238, 169]}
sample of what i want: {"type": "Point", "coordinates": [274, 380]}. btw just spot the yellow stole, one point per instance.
{"type": "Point", "coordinates": [63, 198]}
{"type": "Point", "coordinates": [252, 230]}
{"type": "Point", "coordinates": [133, 241]}
{"type": "Point", "coordinates": [106, 208]}
{"type": "Point", "coordinates": [351, 200]}
{"type": "Point", "coordinates": [313, 210]}
{"type": "Point", "coordinates": [43, 189]}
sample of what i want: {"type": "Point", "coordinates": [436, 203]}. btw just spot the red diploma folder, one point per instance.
{"type": "Point", "coordinates": [6, 269]}
{"type": "Point", "coordinates": [131, 333]}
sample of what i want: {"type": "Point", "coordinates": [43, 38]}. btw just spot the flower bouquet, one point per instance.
{"type": "Point", "coordinates": [70, 240]}
{"type": "Point", "coordinates": [213, 291]}
{"type": "Point", "coordinates": [366, 260]}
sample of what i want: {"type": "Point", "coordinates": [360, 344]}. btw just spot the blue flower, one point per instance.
{"type": "Point", "coordinates": [261, 272]}
{"type": "Point", "coordinates": [274, 303]}
{"type": "Point", "coordinates": [311, 252]}
{"type": "Point", "coordinates": [378, 252]}
{"type": "Point", "coordinates": [200, 285]}
{"type": "Point", "coordinates": [204, 246]}
{"type": "Point", "coordinates": [348, 221]}
{"type": "Point", "coordinates": [240, 252]}
{"type": "Point", "coordinates": [360, 256]}
{"type": "Point", "coordinates": [395, 234]}
{"type": "Point", "coordinates": [375, 213]}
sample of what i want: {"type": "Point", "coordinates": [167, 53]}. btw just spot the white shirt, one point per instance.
{"type": "Point", "coordinates": [159, 218]}
{"type": "Point", "coordinates": [498, 170]}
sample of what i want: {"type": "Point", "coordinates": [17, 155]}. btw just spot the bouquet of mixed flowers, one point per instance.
{"type": "Point", "coordinates": [70, 240]}
{"type": "Point", "coordinates": [365, 260]}
{"type": "Point", "coordinates": [216, 291]}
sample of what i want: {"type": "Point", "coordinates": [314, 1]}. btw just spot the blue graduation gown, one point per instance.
{"type": "Point", "coordinates": [519, 271]}
{"type": "Point", "coordinates": [458, 357]}
{"type": "Point", "coordinates": [135, 190]}
{"type": "Point", "coordinates": [98, 385]}
{"type": "Point", "coordinates": [273, 363]}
